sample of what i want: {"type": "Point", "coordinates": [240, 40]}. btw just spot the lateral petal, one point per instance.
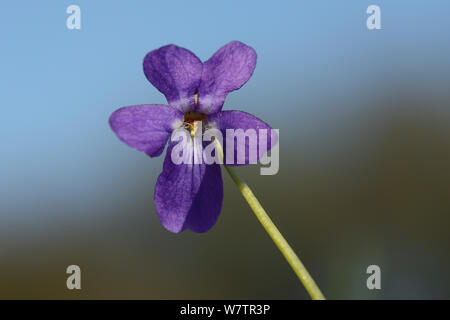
{"type": "Point", "coordinates": [145, 127]}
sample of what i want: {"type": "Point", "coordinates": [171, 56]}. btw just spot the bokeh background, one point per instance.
{"type": "Point", "coordinates": [364, 176]}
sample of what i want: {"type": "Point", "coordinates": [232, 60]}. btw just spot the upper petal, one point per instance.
{"type": "Point", "coordinates": [188, 195]}
{"type": "Point", "coordinates": [145, 127]}
{"type": "Point", "coordinates": [227, 70]}
{"type": "Point", "coordinates": [176, 72]}
{"type": "Point", "coordinates": [234, 119]}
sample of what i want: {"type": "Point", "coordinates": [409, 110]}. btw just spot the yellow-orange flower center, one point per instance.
{"type": "Point", "coordinates": [192, 119]}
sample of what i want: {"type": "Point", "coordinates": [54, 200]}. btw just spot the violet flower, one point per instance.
{"type": "Point", "coordinates": [188, 196]}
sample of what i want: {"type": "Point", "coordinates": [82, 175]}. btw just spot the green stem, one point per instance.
{"type": "Point", "coordinates": [276, 236]}
{"type": "Point", "coordinates": [293, 260]}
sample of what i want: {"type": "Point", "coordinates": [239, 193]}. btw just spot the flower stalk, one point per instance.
{"type": "Point", "coordinates": [289, 254]}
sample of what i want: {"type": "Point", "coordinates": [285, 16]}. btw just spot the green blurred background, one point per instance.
{"type": "Point", "coordinates": [364, 152]}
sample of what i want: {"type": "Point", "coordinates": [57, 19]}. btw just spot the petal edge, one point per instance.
{"type": "Point", "coordinates": [145, 127]}
{"type": "Point", "coordinates": [176, 72]}
{"type": "Point", "coordinates": [227, 70]}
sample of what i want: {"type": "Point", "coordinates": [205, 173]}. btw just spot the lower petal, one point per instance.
{"type": "Point", "coordinates": [188, 195]}
{"type": "Point", "coordinates": [207, 204]}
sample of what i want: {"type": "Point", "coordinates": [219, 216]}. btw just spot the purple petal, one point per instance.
{"type": "Point", "coordinates": [188, 195]}
{"type": "Point", "coordinates": [233, 119]}
{"type": "Point", "coordinates": [176, 72]}
{"type": "Point", "coordinates": [145, 127]}
{"type": "Point", "coordinates": [227, 70]}
{"type": "Point", "coordinates": [207, 204]}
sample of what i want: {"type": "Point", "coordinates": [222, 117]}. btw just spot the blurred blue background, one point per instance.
{"type": "Point", "coordinates": [364, 156]}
